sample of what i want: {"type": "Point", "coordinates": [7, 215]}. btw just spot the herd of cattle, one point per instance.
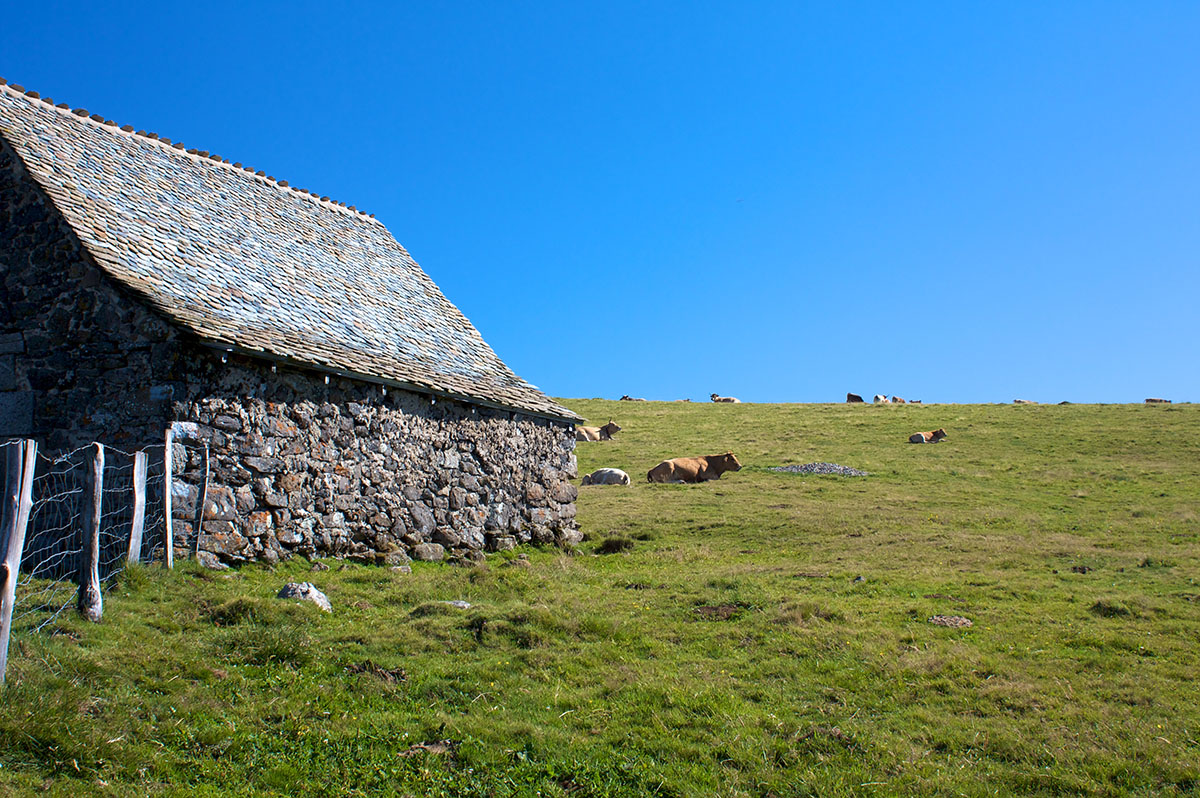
{"type": "Point", "coordinates": [714, 397]}
{"type": "Point", "coordinates": [677, 470]}
{"type": "Point", "coordinates": [709, 467]}
{"type": "Point", "coordinates": [881, 399]}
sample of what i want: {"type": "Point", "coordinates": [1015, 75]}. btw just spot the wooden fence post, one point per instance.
{"type": "Point", "coordinates": [201, 500]}
{"type": "Point", "coordinates": [91, 603]}
{"type": "Point", "coordinates": [139, 508]}
{"type": "Point", "coordinates": [18, 502]}
{"type": "Point", "coordinates": [168, 465]}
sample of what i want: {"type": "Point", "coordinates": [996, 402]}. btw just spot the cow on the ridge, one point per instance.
{"type": "Point", "coordinates": [730, 399]}
{"type": "Point", "coordinates": [854, 399]}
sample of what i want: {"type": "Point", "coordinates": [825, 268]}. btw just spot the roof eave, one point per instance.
{"type": "Point", "coordinates": [375, 379]}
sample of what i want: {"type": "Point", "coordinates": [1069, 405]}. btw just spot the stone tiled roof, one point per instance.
{"type": "Point", "coordinates": [248, 262]}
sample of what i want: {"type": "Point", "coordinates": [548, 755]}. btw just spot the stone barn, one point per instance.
{"type": "Point", "coordinates": [348, 408]}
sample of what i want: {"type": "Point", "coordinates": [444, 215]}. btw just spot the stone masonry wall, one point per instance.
{"type": "Point", "coordinates": [300, 466]}
{"type": "Point", "coordinates": [298, 463]}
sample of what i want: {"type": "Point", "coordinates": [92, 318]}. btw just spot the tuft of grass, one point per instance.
{"type": "Point", "coordinates": [243, 609]}
{"type": "Point", "coordinates": [268, 645]}
{"type": "Point", "coordinates": [614, 545]}
{"type": "Point", "coordinates": [1110, 609]}
{"type": "Point", "coordinates": [805, 612]}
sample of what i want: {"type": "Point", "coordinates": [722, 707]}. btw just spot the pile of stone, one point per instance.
{"type": "Point", "coordinates": [820, 468]}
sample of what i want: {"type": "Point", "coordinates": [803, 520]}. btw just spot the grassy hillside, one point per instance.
{"type": "Point", "coordinates": [762, 635]}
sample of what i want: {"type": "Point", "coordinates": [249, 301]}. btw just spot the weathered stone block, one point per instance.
{"type": "Point", "coordinates": [563, 492]}
{"type": "Point", "coordinates": [570, 537]}
{"type": "Point", "coordinates": [244, 497]}
{"type": "Point", "coordinates": [497, 516]}
{"type": "Point", "coordinates": [258, 524]}
{"type": "Point", "coordinates": [289, 536]}
{"type": "Point", "coordinates": [11, 344]}
{"type": "Point", "coordinates": [8, 372]}
{"type": "Point", "coordinates": [183, 499]}
{"type": "Point", "coordinates": [225, 542]}
{"type": "Point", "coordinates": [16, 413]}
{"type": "Point", "coordinates": [447, 537]}
{"type": "Point", "coordinates": [227, 423]}
{"type": "Point", "coordinates": [220, 504]}
{"type": "Point", "coordinates": [264, 465]}
{"type": "Point", "coordinates": [423, 520]}
{"type": "Point", "coordinates": [290, 482]}
{"type": "Point", "coordinates": [281, 428]}
{"type": "Point", "coordinates": [428, 552]}
{"type": "Point", "coordinates": [396, 557]}
{"type": "Point", "coordinates": [501, 542]}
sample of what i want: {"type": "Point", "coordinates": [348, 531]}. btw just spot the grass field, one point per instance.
{"type": "Point", "coordinates": [763, 635]}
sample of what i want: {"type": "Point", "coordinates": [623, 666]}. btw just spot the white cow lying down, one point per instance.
{"type": "Point", "coordinates": [606, 476]}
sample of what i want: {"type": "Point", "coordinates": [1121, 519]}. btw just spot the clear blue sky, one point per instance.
{"type": "Point", "coordinates": [778, 201]}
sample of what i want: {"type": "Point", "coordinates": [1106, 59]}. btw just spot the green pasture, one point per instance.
{"type": "Point", "coordinates": [763, 635]}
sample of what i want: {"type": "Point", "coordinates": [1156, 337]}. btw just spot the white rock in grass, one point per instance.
{"type": "Point", "coordinates": [304, 591]}
{"type": "Point", "coordinates": [209, 560]}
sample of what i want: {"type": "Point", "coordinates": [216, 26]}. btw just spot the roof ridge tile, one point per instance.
{"type": "Point", "coordinates": [84, 113]}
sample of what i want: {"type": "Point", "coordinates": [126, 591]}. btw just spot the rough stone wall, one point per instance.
{"type": "Point", "coordinates": [297, 463]}
{"type": "Point", "coordinates": [300, 466]}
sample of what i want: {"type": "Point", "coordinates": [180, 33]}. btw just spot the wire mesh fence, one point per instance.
{"type": "Point", "coordinates": [48, 579]}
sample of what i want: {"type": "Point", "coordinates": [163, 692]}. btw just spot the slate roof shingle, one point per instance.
{"type": "Point", "coordinates": [247, 262]}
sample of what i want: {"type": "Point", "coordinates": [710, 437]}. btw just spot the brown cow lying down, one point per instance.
{"type": "Point", "coordinates": [604, 433]}
{"type": "Point", "coordinates": [896, 400]}
{"type": "Point", "coordinates": [927, 437]}
{"type": "Point", "coordinates": [606, 476]}
{"type": "Point", "coordinates": [1158, 401]}
{"type": "Point", "coordinates": [732, 399]}
{"type": "Point", "coordinates": [853, 398]}
{"type": "Point", "coordinates": [694, 469]}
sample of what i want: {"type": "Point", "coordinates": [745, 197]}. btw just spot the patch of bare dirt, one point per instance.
{"type": "Point", "coordinates": [945, 597]}
{"type": "Point", "coordinates": [437, 748]}
{"type": "Point", "coordinates": [721, 612]}
{"type": "Point", "coordinates": [951, 621]}
{"type": "Point", "coordinates": [389, 675]}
